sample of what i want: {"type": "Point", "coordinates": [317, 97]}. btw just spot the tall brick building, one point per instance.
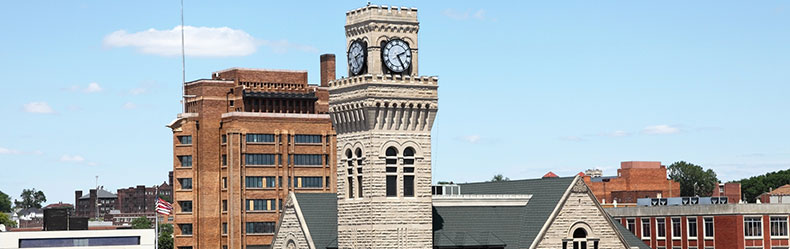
{"type": "Point", "coordinates": [634, 180]}
{"type": "Point", "coordinates": [247, 138]}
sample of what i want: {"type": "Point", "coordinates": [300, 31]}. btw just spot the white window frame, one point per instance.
{"type": "Point", "coordinates": [632, 219]}
{"type": "Point", "coordinates": [696, 227]}
{"type": "Point", "coordinates": [762, 228]}
{"type": "Point", "coordinates": [672, 228]}
{"type": "Point", "coordinates": [787, 223]}
{"type": "Point", "coordinates": [658, 237]}
{"type": "Point", "coordinates": [649, 226]}
{"type": "Point", "coordinates": [705, 228]}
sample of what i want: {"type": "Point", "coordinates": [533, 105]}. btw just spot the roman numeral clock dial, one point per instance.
{"type": "Point", "coordinates": [356, 57]}
{"type": "Point", "coordinates": [397, 55]}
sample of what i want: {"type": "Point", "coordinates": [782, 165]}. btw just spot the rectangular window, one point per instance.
{"type": "Point", "coordinates": [186, 161]}
{"type": "Point", "coordinates": [186, 183]}
{"type": "Point", "coordinates": [224, 205]}
{"type": "Point", "coordinates": [630, 223]}
{"type": "Point", "coordinates": [676, 232]}
{"type": "Point", "coordinates": [280, 181]}
{"type": "Point", "coordinates": [307, 139]}
{"type": "Point", "coordinates": [224, 138]}
{"type": "Point", "coordinates": [753, 226]}
{"type": "Point", "coordinates": [691, 227]}
{"type": "Point", "coordinates": [779, 227]}
{"type": "Point", "coordinates": [392, 186]}
{"type": "Point", "coordinates": [645, 228]}
{"type": "Point", "coordinates": [224, 182]}
{"type": "Point", "coordinates": [260, 205]}
{"type": "Point", "coordinates": [661, 228]}
{"type": "Point", "coordinates": [259, 159]}
{"type": "Point", "coordinates": [186, 229]}
{"type": "Point", "coordinates": [224, 160]}
{"type": "Point", "coordinates": [309, 182]}
{"type": "Point", "coordinates": [185, 139]}
{"type": "Point", "coordinates": [260, 227]}
{"type": "Point", "coordinates": [224, 228]}
{"type": "Point", "coordinates": [408, 186]}
{"type": "Point", "coordinates": [708, 227]}
{"type": "Point", "coordinates": [186, 206]}
{"type": "Point", "coordinates": [308, 159]}
{"type": "Point", "coordinates": [260, 138]}
{"type": "Point", "coordinates": [254, 182]}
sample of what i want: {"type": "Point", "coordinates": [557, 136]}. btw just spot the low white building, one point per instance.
{"type": "Point", "coordinates": [114, 239]}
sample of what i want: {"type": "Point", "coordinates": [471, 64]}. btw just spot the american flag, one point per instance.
{"type": "Point", "coordinates": [163, 207]}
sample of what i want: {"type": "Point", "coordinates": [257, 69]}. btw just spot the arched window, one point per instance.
{"type": "Point", "coordinates": [350, 184]}
{"type": "Point", "coordinates": [580, 240]}
{"type": "Point", "coordinates": [360, 160]}
{"type": "Point", "coordinates": [392, 171]}
{"type": "Point", "coordinates": [408, 172]}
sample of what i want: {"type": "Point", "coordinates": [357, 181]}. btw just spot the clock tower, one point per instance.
{"type": "Point", "coordinates": [383, 114]}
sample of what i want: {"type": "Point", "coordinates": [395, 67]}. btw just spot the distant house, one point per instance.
{"type": "Point", "coordinates": [778, 195]}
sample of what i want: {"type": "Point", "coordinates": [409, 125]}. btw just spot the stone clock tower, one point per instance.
{"type": "Point", "coordinates": [383, 114]}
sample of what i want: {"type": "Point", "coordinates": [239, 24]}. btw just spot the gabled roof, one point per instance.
{"type": "Point", "coordinates": [783, 190]}
{"type": "Point", "coordinates": [320, 213]}
{"type": "Point", "coordinates": [101, 193]}
{"type": "Point", "coordinates": [517, 227]}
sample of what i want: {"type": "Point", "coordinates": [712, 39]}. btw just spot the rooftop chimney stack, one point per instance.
{"type": "Point", "coordinates": [327, 69]}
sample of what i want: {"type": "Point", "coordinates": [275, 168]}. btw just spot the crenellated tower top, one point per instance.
{"type": "Point", "coordinates": [379, 12]}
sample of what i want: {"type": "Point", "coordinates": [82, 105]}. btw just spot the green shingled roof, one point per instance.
{"type": "Point", "coordinates": [517, 227]}
{"type": "Point", "coordinates": [320, 213]}
{"type": "Point", "coordinates": [629, 237]}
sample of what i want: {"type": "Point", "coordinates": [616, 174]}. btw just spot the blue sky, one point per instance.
{"type": "Point", "coordinates": [525, 87]}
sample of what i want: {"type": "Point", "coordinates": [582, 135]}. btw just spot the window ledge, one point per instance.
{"type": "Point", "coordinates": [261, 211]}
{"type": "Point", "coordinates": [708, 238]}
{"type": "Point", "coordinates": [259, 234]}
{"type": "Point", "coordinates": [753, 237]}
{"type": "Point", "coordinates": [184, 167]}
{"type": "Point", "coordinates": [184, 213]}
{"type": "Point", "coordinates": [262, 143]}
{"type": "Point", "coordinates": [183, 190]}
{"type": "Point", "coordinates": [184, 236]}
{"type": "Point", "coordinates": [779, 237]}
{"type": "Point", "coordinates": [183, 145]}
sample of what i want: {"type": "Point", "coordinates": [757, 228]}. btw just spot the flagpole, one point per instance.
{"type": "Point", "coordinates": [156, 220]}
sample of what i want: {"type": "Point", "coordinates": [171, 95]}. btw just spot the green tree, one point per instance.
{"type": "Point", "coordinates": [5, 203]}
{"type": "Point", "coordinates": [5, 220]}
{"type": "Point", "coordinates": [141, 223]}
{"type": "Point", "coordinates": [165, 236]}
{"type": "Point", "coordinates": [30, 199]}
{"type": "Point", "coordinates": [754, 186]}
{"type": "Point", "coordinates": [693, 179]}
{"type": "Point", "coordinates": [499, 178]}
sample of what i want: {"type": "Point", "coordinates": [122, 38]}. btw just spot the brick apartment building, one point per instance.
{"type": "Point", "coordinates": [246, 139]}
{"type": "Point", "coordinates": [731, 190]}
{"type": "Point", "coordinates": [634, 179]}
{"type": "Point", "coordinates": [721, 226]}
{"type": "Point", "coordinates": [141, 199]}
{"type": "Point", "coordinates": [85, 205]}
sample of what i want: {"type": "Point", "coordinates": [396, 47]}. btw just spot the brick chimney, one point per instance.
{"type": "Point", "coordinates": [77, 195]}
{"type": "Point", "coordinates": [327, 69]}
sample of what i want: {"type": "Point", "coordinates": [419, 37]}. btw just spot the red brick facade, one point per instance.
{"type": "Point", "coordinates": [224, 116]}
{"type": "Point", "coordinates": [731, 190]}
{"type": "Point", "coordinates": [634, 180]}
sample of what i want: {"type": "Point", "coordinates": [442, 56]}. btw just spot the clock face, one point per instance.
{"type": "Point", "coordinates": [356, 57]}
{"type": "Point", "coordinates": [397, 55]}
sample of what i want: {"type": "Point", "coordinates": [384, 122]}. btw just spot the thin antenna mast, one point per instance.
{"type": "Point", "coordinates": [183, 63]}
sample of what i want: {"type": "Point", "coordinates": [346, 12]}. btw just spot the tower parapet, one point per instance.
{"type": "Point", "coordinates": [377, 12]}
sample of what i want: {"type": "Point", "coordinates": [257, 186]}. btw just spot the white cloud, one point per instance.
{"type": "Point", "coordinates": [466, 15]}
{"type": "Point", "coordinates": [660, 130]}
{"type": "Point", "coordinates": [572, 138]}
{"type": "Point", "coordinates": [471, 138]}
{"type": "Point", "coordinates": [7, 151]}
{"type": "Point", "coordinates": [138, 91]}
{"type": "Point", "coordinates": [129, 106]}
{"type": "Point", "coordinates": [38, 107]}
{"type": "Point", "coordinates": [618, 133]}
{"type": "Point", "coordinates": [72, 158]}
{"type": "Point", "coordinates": [93, 87]}
{"type": "Point", "coordinates": [198, 41]}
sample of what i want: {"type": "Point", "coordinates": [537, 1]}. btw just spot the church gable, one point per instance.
{"type": "Point", "coordinates": [291, 230]}
{"type": "Point", "coordinates": [580, 221]}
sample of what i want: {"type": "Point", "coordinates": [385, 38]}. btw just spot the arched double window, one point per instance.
{"type": "Point", "coordinates": [350, 176]}
{"type": "Point", "coordinates": [408, 172]}
{"type": "Point", "coordinates": [360, 162]}
{"type": "Point", "coordinates": [580, 239]}
{"type": "Point", "coordinates": [392, 171]}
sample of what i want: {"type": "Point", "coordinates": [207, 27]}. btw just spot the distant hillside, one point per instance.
{"type": "Point", "coordinates": [756, 185]}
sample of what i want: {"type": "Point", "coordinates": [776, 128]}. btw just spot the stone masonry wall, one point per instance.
{"type": "Point", "coordinates": [290, 229]}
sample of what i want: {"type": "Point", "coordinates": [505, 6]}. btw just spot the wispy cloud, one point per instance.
{"type": "Point", "coordinates": [454, 14]}
{"type": "Point", "coordinates": [92, 87]}
{"type": "Point", "coordinates": [660, 130]}
{"type": "Point", "coordinates": [7, 151]}
{"type": "Point", "coordinates": [72, 159]}
{"type": "Point", "coordinates": [572, 138]}
{"type": "Point", "coordinates": [617, 133]}
{"type": "Point", "coordinates": [138, 91]}
{"type": "Point", "coordinates": [473, 139]}
{"type": "Point", "coordinates": [38, 107]}
{"type": "Point", "coordinates": [129, 106]}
